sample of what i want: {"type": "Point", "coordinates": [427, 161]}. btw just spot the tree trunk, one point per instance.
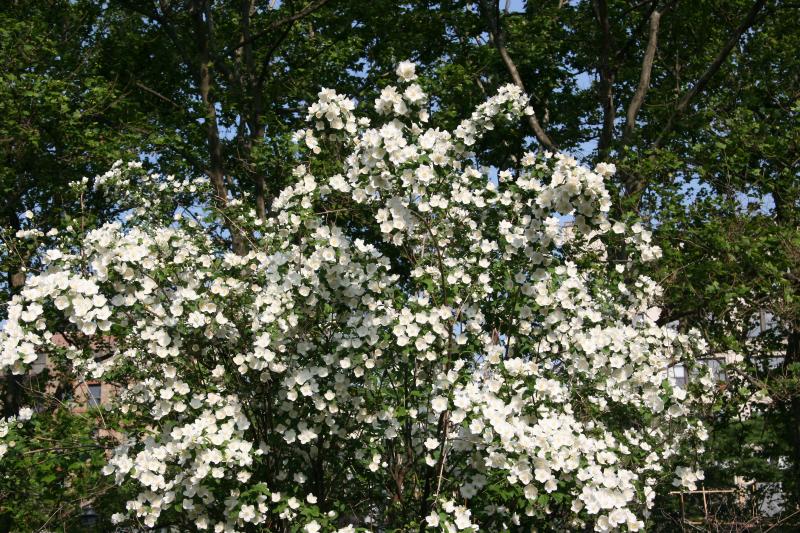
{"type": "Point", "coordinates": [216, 171]}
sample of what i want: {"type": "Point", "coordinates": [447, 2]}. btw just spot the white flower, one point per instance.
{"type": "Point", "coordinates": [439, 404]}
{"type": "Point", "coordinates": [432, 520]}
{"type": "Point", "coordinates": [406, 71]}
{"type": "Point", "coordinates": [247, 513]}
{"type": "Point", "coordinates": [414, 94]}
{"type": "Point", "coordinates": [606, 169]}
{"type": "Point", "coordinates": [306, 436]}
{"type": "Point", "coordinates": [462, 518]}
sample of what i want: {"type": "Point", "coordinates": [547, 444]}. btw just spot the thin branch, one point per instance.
{"type": "Point", "coordinates": [636, 6]}
{"type": "Point", "coordinates": [280, 23]}
{"type": "Point", "coordinates": [270, 53]}
{"type": "Point", "coordinates": [156, 93]}
{"type": "Point", "coordinates": [712, 69]}
{"type": "Point", "coordinates": [782, 521]}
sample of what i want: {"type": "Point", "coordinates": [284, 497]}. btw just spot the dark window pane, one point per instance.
{"type": "Point", "coordinates": [95, 392]}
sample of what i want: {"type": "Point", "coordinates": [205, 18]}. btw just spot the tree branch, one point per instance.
{"type": "Point", "coordinates": [644, 78]}
{"type": "Point", "coordinates": [491, 12]}
{"type": "Point", "coordinates": [623, 50]}
{"type": "Point", "coordinates": [712, 69]}
{"type": "Point", "coordinates": [156, 93]}
{"type": "Point", "coordinates": [607, 74]}
{"type": "Point", "coordinates": [216, 170]}
{"type": "Point", "coordinates": [279, 23]}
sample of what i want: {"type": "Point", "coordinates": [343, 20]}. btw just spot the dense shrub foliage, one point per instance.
{"type": "Point", "coordinates": [408, 340]}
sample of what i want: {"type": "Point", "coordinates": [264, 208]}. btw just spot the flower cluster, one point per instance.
{"type": "Point", "coordinates": [406, 341]}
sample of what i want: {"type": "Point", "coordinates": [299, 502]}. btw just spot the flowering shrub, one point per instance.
{"type": "Point", "coordinates": [407, 343]}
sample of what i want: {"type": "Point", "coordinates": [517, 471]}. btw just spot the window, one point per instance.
{"type": "Point", "coordinates": [95, 394]}
{"type": "Point", "coordinates": [678, 375]}
{"type": "Point", "coordinates": [716, 370]}
{"type": "Point", "coordinates": [40, 364]}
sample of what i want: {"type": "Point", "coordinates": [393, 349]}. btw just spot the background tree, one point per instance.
{"type": "Point", "coordinates": [695, 102]}
{"type": "Point", "coordinates": [62, 119]}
